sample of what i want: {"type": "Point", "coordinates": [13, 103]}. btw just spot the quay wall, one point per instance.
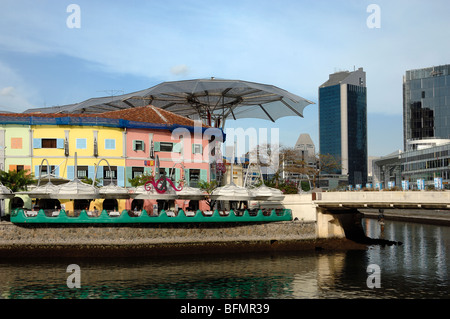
{"type": "Point", "coordinates": [144, 240]}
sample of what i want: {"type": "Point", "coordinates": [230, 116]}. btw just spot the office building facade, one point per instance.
{"type": "Point", "coordinates": [426, 133]}
{"type": "Point", "coordinates": [343, 123]}
{"type": "Point", "coordinates": [426, 105]}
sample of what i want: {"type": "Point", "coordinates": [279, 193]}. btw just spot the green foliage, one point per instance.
{"type": "Point", "coordinates": [88, 180]}
{"type": "Point", "coordinates": [141, 179]}
{"type": "Point", "coordinates": [17, 181]}
{"type": "Point", "coordinates": [208, 186]}
{"type": "Point", "coordinates": [286, 186]}
{"type": "Point", "coordinates": [305, 186]}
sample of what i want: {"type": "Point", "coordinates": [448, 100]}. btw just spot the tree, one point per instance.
{"type": "Point", "coordinates": [291, 162]}
{"type": "Point", "coordinates": [326, 163]}
{"type": "Point", "coordinates": [141, 179]}
{"type": "Point", "coordinates": [88, 180]}
{"type": "Point", "coordinates": [17, 180]}
{"type": "Point", "coordinates": [208, 187]}
{"type": "Point", "coordinates": [283, 162]}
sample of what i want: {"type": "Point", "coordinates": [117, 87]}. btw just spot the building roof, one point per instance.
{"type": "Point", "coordinates": [336, 78]}
{"type": "Point", "coordinates": [345, 77]}
{"type": "Point", "coordinates": [149, 114]}
{"type": "Point", "coordinates": [145, 114]}
{"type": "Point", "coordinates": [304, 139]}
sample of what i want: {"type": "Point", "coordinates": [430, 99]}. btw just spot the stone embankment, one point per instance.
{"type": "Point", "coordinates": [422, 216]}
{"type": "Point", "coordinates": [143, 240]}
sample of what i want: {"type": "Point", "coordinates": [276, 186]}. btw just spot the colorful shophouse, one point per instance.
{"type": "Point", "coordinates": [118, 145]}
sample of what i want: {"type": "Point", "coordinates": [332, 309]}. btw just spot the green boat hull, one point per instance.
{"type": "Point", "coordinates": [18, 216]}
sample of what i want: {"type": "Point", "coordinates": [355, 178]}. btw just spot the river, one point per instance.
{"type": "Point", "coordinates": [416, 269]}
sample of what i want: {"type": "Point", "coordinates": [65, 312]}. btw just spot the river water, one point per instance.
{"type": "Point", "coordinates": [418, 268]}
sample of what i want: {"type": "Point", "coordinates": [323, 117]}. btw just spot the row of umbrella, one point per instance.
{"type": "Point", "coordinates": [76, 189]}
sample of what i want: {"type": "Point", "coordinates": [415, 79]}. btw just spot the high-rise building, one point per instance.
{"type": "Point", "coordinates": [343, 123]}
{"type": "Point", "coordinates": [426, 106]}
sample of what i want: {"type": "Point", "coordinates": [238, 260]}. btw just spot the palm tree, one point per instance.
{"type": "Point", "coordinates": [17, 180]}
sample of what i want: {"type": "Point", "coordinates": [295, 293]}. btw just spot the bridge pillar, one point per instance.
{"type": "Point", "coordinates": [328, 225]}
{"type": "Point", "coordinates": [340, 224]}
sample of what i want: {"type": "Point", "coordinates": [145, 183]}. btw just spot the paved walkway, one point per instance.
{"type": "Point", "coordinates": [437, 217]}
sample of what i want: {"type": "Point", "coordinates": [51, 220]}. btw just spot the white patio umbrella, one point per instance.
{"type": "Point", "coordinates": [264, 192]}
{"type": "Point", "coordinates": [5, 192]}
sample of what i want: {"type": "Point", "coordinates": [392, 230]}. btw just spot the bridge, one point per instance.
{"type": "Point", "coordinates": [336, 214]}
{"type": "Point", "coordinates": [383, 199]}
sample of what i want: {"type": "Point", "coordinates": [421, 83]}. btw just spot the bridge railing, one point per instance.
{"type": "Point", "coordinates": [396, 199]}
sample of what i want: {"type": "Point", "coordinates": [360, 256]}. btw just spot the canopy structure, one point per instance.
{"type": "Point", "coordinates": [143, 192]}
{"type": "Point", "coordinates": [5, 192]}
{"type": "Point", "coordinates": [267, 193]}
{"type": "Point", "coordinates": [212, 100]}
{"type": "Point", "coordinates": [191, 193]}
{"type": "Point", "coordinates": [231, 192]}
{"type": "Point", "coordinates": [42, 191]}
{"type": "Point", "coordinates": [113, 191]}
{"type": "Point", "coordinates": [76, 189]}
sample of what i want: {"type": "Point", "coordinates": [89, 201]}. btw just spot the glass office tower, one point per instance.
{"type": "Point", "coordinates": [426, 105]}
{"type": "Point", "coordinates": [343, 123]}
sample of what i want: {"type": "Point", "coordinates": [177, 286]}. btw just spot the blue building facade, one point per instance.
{"type": "Point", "coordinates": [343, 123]}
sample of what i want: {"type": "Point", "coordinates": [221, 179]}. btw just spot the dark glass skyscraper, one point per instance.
{"type": "Point", "coordinates": [343, 123]}
{"type": "Point", "coordinates": [426, 104]}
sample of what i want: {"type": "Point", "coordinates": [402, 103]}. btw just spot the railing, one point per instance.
{"type": "Point", "coordinates": [389, 199]}
{"type": "Point", "coordinates": [20, 215]}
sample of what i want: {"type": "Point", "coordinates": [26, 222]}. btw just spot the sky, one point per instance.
{"type": "Point", "coordinates": [52, 54]}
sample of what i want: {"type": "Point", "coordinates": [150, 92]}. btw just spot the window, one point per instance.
{"type": "Point", "coordinates": [43, 170]}
{"type": "Point", "coordinates": [110, 144]}
{"type": "Point", "coordinates": [194, 177]}
{"type": "Point", "coordinates": [137, 171]}
{"type": "Point", "coordinates": [196, 148]}
{"type": "Point", "coordinates": [138, 145]}
{"type": "Point", "coordinates": [81, 143]}
{"type": "Point", "coordinates": [165, 147]}
{"type": "Point", "coordinates": [20, 168]}
{"type": "Point", "coordinates": [109, 174]}
{"type": "Point", "coordinates": [82, 172]}
{"type": "Point", "coordinates": [49, 143]}
{"type": "Point", "coordinates": [16, 143]}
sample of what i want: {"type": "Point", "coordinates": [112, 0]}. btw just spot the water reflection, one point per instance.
{"type": "Point", "coordinates": [416, 269]}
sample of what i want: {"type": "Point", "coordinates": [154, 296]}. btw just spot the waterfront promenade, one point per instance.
{"type": "Point", "coordinates": [423, 216]}
{"type": "Point", "coordinates": [312, 227]}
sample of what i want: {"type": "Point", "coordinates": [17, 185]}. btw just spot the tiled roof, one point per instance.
{"type": "Point", "coordinates": [149, 114]}
{"type": "Point", "coordinates": [146, 114]}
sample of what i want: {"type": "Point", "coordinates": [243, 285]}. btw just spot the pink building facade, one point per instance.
{"type": "Point", "coordinates": [180, 157]}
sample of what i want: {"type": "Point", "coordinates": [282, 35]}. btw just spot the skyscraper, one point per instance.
{"type": "Point", "coordinates": [343, 123]}
{"type": "Point", "coordinates": [426, 105]}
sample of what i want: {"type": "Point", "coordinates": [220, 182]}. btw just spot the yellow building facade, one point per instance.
{"type": "Point", "coordinates": [59, 145]}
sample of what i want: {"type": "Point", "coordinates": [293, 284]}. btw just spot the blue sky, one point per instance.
{"type": "Point", "coordinates": [126, 46]}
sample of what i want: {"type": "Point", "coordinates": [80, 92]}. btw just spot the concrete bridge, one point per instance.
{"type": "Point", "coordinates": [337, 215]}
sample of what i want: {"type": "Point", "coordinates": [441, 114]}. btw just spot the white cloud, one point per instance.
{"type": "Point", "coordinates": [181, 69]}
{"type": "Point", "coordinates": [7, 91]}
{"type": "Point", "coordinates": [15, 94]}
{"type": "Point", "coordinates": [294, 46]}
